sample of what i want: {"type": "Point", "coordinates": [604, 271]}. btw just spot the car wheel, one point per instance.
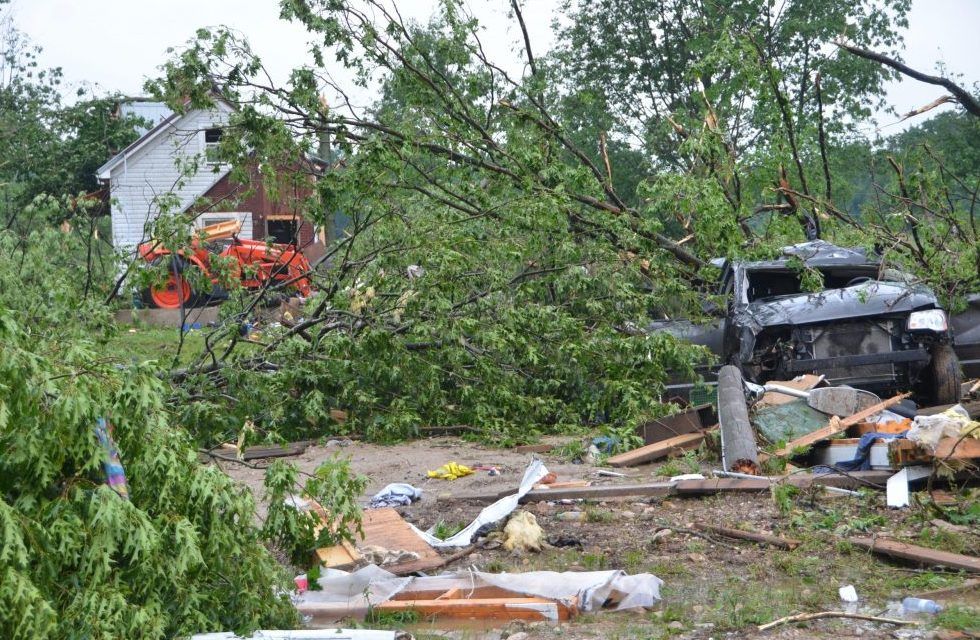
{"type": "Point", "coordinates": [942, 380]}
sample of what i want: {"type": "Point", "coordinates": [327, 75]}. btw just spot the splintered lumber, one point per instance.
{"type": "Point", "coordinates": [763, 538]}
{"type": "Point", "coordinates": [482, 608]}
{"type": "Point", "coordinates": [482, 603]}
{"type": "Point", "coordinates": [533, 448]}
{"type": "Point", "coordinates": [957, 448]}
{"type": "Point", "coordinates": [657, 450]}
{"type": "Point", "coordinates": [739, 451]}
{"type": "Point", "coordinates": [915, 553]}
{"type": "Point", "coordinates": [803, 617]}
{"type": "Point", "coordinates": [836, 426]}
{"type": "Point", "coordinates": [385, 529]}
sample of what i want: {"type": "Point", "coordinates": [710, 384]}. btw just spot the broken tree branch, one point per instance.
{"type": "Point", "coordinates": [802, 617]}
{"type": "Point", "coordinates": [962, 95]}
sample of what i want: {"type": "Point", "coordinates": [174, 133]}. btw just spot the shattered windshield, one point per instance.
{"type": "Point", "coordinates": [764, 284]}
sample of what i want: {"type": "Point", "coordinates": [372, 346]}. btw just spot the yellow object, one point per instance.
{"type": "Point", "coordinates": [450, 471]}
{"type": "Point", "coordinates": [523, 533]}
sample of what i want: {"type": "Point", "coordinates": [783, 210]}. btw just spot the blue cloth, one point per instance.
{"type": "Point", "coordinates": [862, 458]}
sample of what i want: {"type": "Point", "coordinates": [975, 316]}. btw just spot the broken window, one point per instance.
{"type": "Point", "coordinates": [282, 230]}
{"type": "Point", "coordinates": [212, 143]}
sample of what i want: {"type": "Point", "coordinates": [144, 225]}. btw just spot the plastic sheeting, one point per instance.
{"type": "Point", "coordinates": [493, 513]}
{"type": "Point", "coordinates": [346, 594]}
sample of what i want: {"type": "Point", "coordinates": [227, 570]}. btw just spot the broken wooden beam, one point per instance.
{"type": "Point", "coordinates": [601, 492]}
{"type": "Point", "coordinates": [763, 538]}
{"type": "Point", "coordinates": [957, 448]}
{"type": "Point", "coordinates": [837, 426]}
{"type": "Point", "coordinates": [922, 555]}
{"type": "Point", "coordinates": [657, 450]}
{"type": "Point", "coordinates": [851, 480]}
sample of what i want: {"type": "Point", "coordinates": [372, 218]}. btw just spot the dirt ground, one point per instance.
{"type": "Point", "coordinates": [714, 587]}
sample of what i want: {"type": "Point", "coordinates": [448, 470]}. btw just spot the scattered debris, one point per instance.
{"type": "Point", "coordinates": [538, 595]}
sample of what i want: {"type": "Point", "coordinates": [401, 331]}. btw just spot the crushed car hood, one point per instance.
{"type": "Point", "coordinates": [859, 301]}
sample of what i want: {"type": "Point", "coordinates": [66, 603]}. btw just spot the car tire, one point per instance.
{"type": "Point", "coordinates": [942, 379]}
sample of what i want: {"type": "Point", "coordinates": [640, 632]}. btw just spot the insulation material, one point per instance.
{"type": "Point", "coordinates": [952, 423]}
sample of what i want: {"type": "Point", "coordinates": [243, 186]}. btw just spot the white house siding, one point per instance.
{"type": "Point", "coordinates": [152, 172]}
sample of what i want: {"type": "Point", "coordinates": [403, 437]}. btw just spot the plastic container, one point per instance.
{"type": "Point", "coordinates": [921, 605]}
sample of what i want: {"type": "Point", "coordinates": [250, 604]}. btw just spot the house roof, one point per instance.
{"type": "Point", "coordinates": [103, 172]}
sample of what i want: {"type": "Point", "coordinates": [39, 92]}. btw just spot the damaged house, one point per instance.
{"type": "Point", "coordinates": [152, 170]}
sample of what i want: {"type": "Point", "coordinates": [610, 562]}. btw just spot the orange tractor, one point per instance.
{"type": "Point", "coordinates": [255, 264]}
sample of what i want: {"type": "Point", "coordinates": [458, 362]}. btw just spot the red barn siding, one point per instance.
{"type": "Point", "coordinates": [228, 195]}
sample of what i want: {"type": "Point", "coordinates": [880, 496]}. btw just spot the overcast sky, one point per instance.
{"type": "Point", "coordinates": [117, 44]}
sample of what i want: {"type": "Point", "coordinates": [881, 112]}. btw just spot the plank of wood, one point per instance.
{"type": "Point", "coordinates": [571, 484]}
{"type": "Point", "coordinates": [386, 528]}
{"type": "Point", "coordinates": [601, 492]}
{"type": "Point", "coordinates": [915, 553]}
{"type": "Point", "coordinates": [851, 480]}
{"type": "Point", "coordinates": [956, 449]}
{"type": "Point", "coordinates": [775, 541]}
{"type": "Point", "coordinates": [657, 450]}
{"type": "Point", "coordinates": [836, 426]}
{"type": "Point", "coordinates": [483, 608]}
{"type": "Point", "coordinates": [339, 556]}
{"type": "Point", "coordinates": [533, 448]}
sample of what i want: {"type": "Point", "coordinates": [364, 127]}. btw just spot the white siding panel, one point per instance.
{"type": "Point", "coordinates": [141, 180]}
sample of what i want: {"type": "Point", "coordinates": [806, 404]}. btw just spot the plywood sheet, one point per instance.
{"type": "Point", "coordinates": [386, 528]}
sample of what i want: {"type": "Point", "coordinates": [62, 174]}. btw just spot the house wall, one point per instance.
{"type": "Point", "coordinates": [152, 171]}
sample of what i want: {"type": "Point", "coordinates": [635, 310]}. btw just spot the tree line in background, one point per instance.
{"type": "Point", "coordinates": [511, 231]}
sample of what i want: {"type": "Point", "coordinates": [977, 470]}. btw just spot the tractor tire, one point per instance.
{"type": "Point", "coordinates": [942, 379]}
{"type": "Point", "coordinates": [174, 293]}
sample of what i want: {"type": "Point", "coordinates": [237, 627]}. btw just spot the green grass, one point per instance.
{"type": "Point", "coordinates": [959, 618]}
{"type": "Point", "coordinates": [154, 343]}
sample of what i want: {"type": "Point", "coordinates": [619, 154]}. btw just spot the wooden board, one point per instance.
{"type": "Point", "coordinates": [602, 492]}
{"type": "Point", "coordinates": [512, 608]}
{"type": "Point", "coordinates": [852, 480]}
{"type": "Point", "coordinates": [836, 426]}
{"type": "Point", "coordinates": [957, 449]}
{"type": "Point", "coordinates": [386, 528]}
{"type": "Point", "coordinates": [662, 449]}
{"type": "Point", "coordinates": [929, 557]}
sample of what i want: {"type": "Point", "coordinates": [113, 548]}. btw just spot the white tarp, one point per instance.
{"type": "Point", "coordinates": [345, 594]}
{"type": "Point", "coordinates": [493, 513]}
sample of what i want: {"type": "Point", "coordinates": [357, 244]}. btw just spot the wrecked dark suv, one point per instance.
{"type": "Point", "coordinates": [868, 327]}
